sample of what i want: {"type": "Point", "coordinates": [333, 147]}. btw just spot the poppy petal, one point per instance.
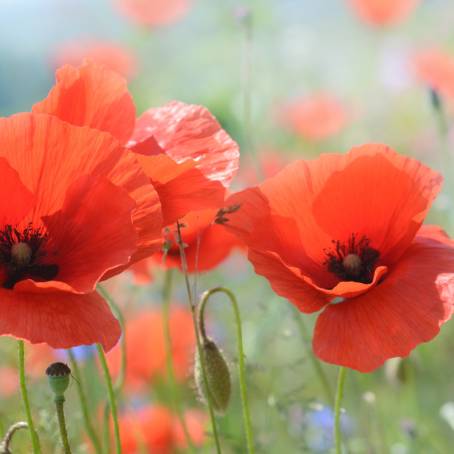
{"type": "Point", "coordinates": [387, 205]}
{"type": "Point", "coordinates": [182, 188]}
{"type": "Point", "coordinates": [91, 95]}
{"type": "Point", "coordinates": [92, 233]}
{"type": "Point", "coordinates": [287, 281]}
{"type": "Point", "coordinates": [350, 289]}
{"type": "Point", "coordinates": [190, 132]}
{"type": "Point", "coordinates": [215, 245]}
{"type": "Point", "coordinates": [60, 319]}
{"type": "Point", "coordinates": [18, 200]}
{"type": "Point", "coordinates": [336, 196]}
{"type": "Point", "coordinates": [147, 217]}
{"type": "Point", "coordinates": [50, 155]}
{"type": "Point", "coordinates": [253, 209]}
{"type": "Point", "coordinates": [406, 309]}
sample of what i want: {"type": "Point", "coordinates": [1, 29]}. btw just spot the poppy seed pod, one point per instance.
{"type": "Point", "coordinates": [217, 376]}
{"type": "Point", "coordinates": [58, 375]}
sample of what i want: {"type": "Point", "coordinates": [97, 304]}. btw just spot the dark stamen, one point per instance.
{"type": "Point", "coordinates": [21, 255]}
{"type": "Point", "coordinates": [353, 260]}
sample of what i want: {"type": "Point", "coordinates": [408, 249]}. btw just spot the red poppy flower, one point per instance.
{"type": "Point", "coordinates": [315, 117]}
{"type": "Point", "coordinates": [207, 244]}
{"type": "Point", "coordinates": [189, 158]}
{"type": "Point", "coordinates": [156, 430]}
{"type": "Point", "coordinates": [146, 351]}
{"type": "Point", "coordinates": [155, 12]}
{"type": "Point", "coordinates": [114, 56]}
{"type": "Point", "coordinates": [383, 12]}
{"type": "Point", "coordinates": [342, 234]}
{"type": "Point", "coordinates": [66, 222]}
{"type": "Point", "coordinates": [436, 69]}
{"type": "Point", "coordinates": [186, 154]}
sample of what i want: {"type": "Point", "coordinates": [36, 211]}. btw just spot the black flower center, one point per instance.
{"type": "Point", "coordinates": [22, 255]}
{"type": "Point", "coordinates": [352, 260]}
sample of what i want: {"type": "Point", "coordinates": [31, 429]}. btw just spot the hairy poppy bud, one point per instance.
{"type": "Point", "coordinates": [58, 375]}
{"type": "Point", "coordinates": [217, 376]}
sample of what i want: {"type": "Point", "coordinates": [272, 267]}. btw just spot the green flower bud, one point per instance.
{"type": "Point", "coordinates": [58, 375]}
{"type": "Point", "coordinates": [217, 375]}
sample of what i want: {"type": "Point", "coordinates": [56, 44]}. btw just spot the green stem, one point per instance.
{"type": "Point", "coordinates": [241, 366]}
{"type": "Point", "coordinates": [83, 403]}
{"type": "Point", "coordinates": [4, 445]}
{"type": "Point", "coordinates": [59, 405]}
{"type": "Point", "coordinates": [23, 386]}
{"type": "Point", "coordinates": [184, 267]}
{"type": "Point", "coordinates": [106, 428]}
{"type": "Point", "coordinates": [246, 23]}
{"type": "Point", "coordinates": [318, 368]}
{"type": "Point", "coordinates": [121, 320]}
{"type": "Point", "coordinates": [337, 409]}
{"type": "Point", "coordinates": [112, 399]}
{"type": "Point", "coordinates": [176, 396]}
{"type": "Point", "coordinates": [439, 111]}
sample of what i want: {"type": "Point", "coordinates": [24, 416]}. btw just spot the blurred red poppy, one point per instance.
{"type": "Point", "coordinates": [114, 56]}
{"type": "Point", "coordinates": [436, 69]}
{"type": "Point", "coordinates": [266, 164]}
{"type": "Point", "coordinates": [315, 117]}
{"type": "Point", "coordinates": [383, 12]}
{"type": "Point", "coordinates": [146, 351]}
{"type": "Point", "coordinates": [343, 234]}
{"type": "Point", "coordinates": [207, 244]}
{"type": "Point", "coordinates": [155, 12]}
{"type": "Point", "coordinates": [39, 357]}
{"type": "Point", "coordinates": [54, 244]}
{"type": "Point", "coordinates": [155, 430]}
{"type": "Point", "coordinates": [187, 156]}
{"type": "Point", "coordinates": [9, 381]}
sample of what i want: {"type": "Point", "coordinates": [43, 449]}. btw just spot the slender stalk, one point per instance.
{"type": "Point", "coordinates": [112, 399]}
{"type": "Point", "coordinates": [83, 403]}
{"type": "Point", "coordinates": [318, 368]}
{"type": "Point", "coordinates": [445, 155]}
{"type": "Point", "coordinates": [184, 267]}
{"type": "Point", "coordinates": [4, 445]}
{"type": "Point", "coordinates": [337, 409]}
{"type": "Point", "coordinates": [246, 24]}
{"type": "Point", "coordinates": [33, 434]}
{"type": "Point", "coordinates": [121, 320]}
{"type": "Point", "coordinates": [118, 385]}
{"type": "Point", "coordinates": [106, 428]}
{"type": "Point", "coordinates": [241, 367]}
{"type": "Point", "coordinates": [176, 396]}
{"type": "Point", "coordinates": [59, 405]}
{"type": "Point", "coordinates": [439, 111]}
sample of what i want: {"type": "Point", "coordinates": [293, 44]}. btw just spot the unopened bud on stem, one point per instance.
{"type": "Point", "coordinates": [217, 377]}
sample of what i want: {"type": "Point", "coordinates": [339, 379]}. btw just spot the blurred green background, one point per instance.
{"type": "Point", "coordinates": [244, 60]}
